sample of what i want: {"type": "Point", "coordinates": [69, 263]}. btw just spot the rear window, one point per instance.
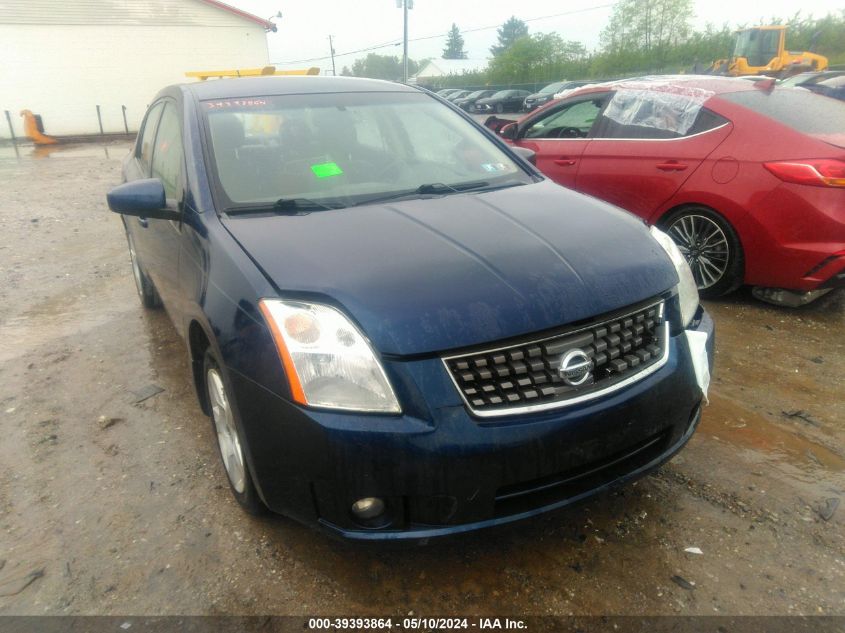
{"type": "Point", "coordinates": [801, 110]}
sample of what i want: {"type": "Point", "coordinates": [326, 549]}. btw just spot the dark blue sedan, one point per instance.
{"type": "Point", "coordinates": [399, 328]}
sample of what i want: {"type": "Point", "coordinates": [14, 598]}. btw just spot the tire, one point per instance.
{"type": "Point", "coordinates": [230, 442]}
{"type": "Point", "coordinates": [500, 108]}
{"type": "Point", "coordinates": [711, 247]}
{"type": "Point", "coordinates": [147, 292]}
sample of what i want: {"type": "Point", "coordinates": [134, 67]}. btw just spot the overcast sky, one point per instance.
{"type": "Point", "coordinates": [357, 24]}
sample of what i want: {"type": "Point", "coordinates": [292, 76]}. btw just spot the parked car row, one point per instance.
{"type": "Point", "coordinates": [486, 101]}
{"type": "Point", "coordinates": [510, 100]}
{"type": "Point", "coordinates": [542, 97]}
{"type": "Point", "coordinates": [468, 102]}
{"type": "Point", "coordinates": [829, 83]}
{"type": "Point", "coordinates": [749, 180]}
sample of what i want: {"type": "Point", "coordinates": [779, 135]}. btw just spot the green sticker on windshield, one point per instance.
{"type": "Point", "coordinates": [326, 170]}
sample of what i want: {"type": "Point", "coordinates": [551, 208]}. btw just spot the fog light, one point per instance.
{"type": "Point", "coordinates": [368, 508]}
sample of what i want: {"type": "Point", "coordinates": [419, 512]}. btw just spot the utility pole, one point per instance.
{"type": "Point", "coordinates": [405, 5]}
{"type": "Point", "coordinates": [405, 43]}
{"type": "Point", "coordinates": [331, 48]}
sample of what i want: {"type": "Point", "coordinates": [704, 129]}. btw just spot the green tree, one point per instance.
{"type": "Point", "coordinates": [643, 31]}
{"type": "Point", "coordinates": [539, 57]}
{"type": "Point", "coordinates": [377, 66]}
{"type": "Point", "coordinates": [508, 33]}
{"type": "Point", "coordinates": [454, 44]}
{"type": "Point", "coordinates": [825, 36]}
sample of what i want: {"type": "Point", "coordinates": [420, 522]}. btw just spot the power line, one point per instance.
{"type": "Point", "coordinates": [398, 42]}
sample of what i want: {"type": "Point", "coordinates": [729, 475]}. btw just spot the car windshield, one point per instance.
{"type": "Point", "coordinates": [343, 149]}
{"type": "Point", "coordinates": [552, 88]}
{"type": "Point", "coordinates": [501, 94]}
{"type": "Point", "coordinates": [476, 94]}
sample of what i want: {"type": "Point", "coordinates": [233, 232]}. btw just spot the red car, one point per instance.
{"type": "Point", "coordinates": [748, 179]}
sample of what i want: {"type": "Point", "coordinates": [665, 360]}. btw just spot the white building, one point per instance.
{"type": "Point", "coordinates": [437, 69]}
{"type": "Point", "coordinates": [63, 58]}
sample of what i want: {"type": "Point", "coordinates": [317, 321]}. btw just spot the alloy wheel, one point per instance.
{"type": "Point", "coordinates": [227, 434]}
{"type": "Point", "coordinates": [704, 245]}
{"type": "Point", "coordinates": [136, 268]}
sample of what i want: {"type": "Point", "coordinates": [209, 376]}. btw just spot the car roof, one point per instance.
{"type": "Point", "coordinates": [716, 85]}
{"type": "Point", "coordinates": [818, 77]}
{"type": "Point", "coordinates": [663, 83]}
{"type": "Point", "coordinates": [297, 84]}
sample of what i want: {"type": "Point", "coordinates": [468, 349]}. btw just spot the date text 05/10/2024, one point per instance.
{"type": "Point", "coordinates": [412, 623]}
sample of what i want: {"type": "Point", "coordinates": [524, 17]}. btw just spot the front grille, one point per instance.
{"type": "Point", "coordinates": [527, 375]}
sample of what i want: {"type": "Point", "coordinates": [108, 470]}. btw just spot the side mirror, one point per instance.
{"type": "Point", "coordinates": [509, 131]}
{"type": "Point", "coordinates": [527, 154]}
{"type": "Point", "coordinates": [142, 198]}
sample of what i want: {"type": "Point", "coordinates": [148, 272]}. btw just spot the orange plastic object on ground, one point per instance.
{"type": "Point", "coordinates": [30, 128]}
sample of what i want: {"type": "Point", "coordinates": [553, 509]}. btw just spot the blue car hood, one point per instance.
{"type": "Point", "coordinates": [430, 275]}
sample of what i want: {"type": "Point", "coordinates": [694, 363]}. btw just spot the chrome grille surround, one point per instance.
{"type": "Point", "coordinates": [524, 377]}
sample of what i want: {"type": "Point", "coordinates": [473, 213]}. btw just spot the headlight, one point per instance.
{"type": "Point", "coordinates": [687, 290]}
{"type": "Point", "coordinates": [328, 361]}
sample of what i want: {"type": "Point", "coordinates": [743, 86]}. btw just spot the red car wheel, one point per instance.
{"type": "Point", "coordinates": [710, 246]}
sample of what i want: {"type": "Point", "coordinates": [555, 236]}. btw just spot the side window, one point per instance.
{"type": "Point", "coordinates": [144, 149]}
{"type": "Point", "coordinates": [571, 121]}
{"type": "Point", "coordinates": [654, 116]}
{"type": "Point", "coordinates": [706, 121]}
{"type": "Point", "coordinates": [167, 156]}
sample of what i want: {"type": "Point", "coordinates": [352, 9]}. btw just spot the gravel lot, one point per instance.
{"type": "Point", "coordinates": [114, 504]}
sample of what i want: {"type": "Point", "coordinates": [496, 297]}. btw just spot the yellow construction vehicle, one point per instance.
{"type": "Point", "coordinates": [761, 50]}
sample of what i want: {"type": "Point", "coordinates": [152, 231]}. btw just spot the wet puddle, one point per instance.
{"type": "Point", "coordinates": [113, 151]}
{"type": "Point", "coordinates": [790, 452]}
{"type": "Point", "coordinates": [61, 317]}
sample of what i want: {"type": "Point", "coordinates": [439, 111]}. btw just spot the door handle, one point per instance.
{"type": "Point", "coordinates": [564, 161]}
{"type": "Point", "coordinates": [672, 165]}
{"type": "Point", "coordinates": [143, 222]}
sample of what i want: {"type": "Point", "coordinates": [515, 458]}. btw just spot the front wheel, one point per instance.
{"type": "Point", "coordinates": [229, 437]}
{"type": "Point", "coordinates": [146, 290]}
{"type": "Point", "coordinates": [500, 108]}
{"type": "Point", "coordinates": [711, 247]}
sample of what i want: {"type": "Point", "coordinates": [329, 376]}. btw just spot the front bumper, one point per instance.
{"type": "Point", "coordinates": [441, 471]}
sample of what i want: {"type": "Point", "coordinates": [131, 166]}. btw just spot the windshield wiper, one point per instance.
{"type": "Point", "coordinates": [442, 188]}
{"type": "Point", "coordinates": [295, 206]}
{"type": "Point", "coordinates": [505, 185]}
{"type": "Point", "coordinates": [434, 188]}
